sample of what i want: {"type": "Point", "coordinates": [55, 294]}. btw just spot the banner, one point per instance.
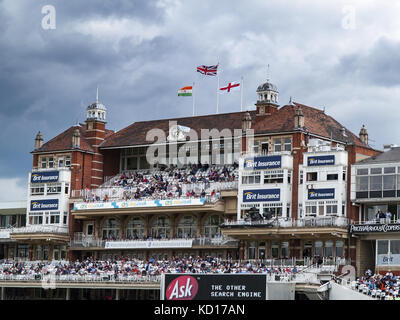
{"type": "Point", "coordinates": [193, 286]}
{"type": "Point", "coordinates": [266, 162]}
{"type": "Point", "coordinates": [44, 176]}
{"type": "Point", "coordinates": [261, 195]}
{"type": "Point", "coordinates": [388, 260]}
{"type": "Point", "coordinates": [375, 227]}
{"type": "Point", "coordinates": [138, 204]}
{"type": "Point", "coordinates": [321, 160]}
{"type": "Point", "coordinates": [42, 205]}
{"type": "Point", "coordinates": [317, 194]}
{"type": "Point", "coordinates": [148, 244]}
{"type": "Point", "coordinates": [4, 234]}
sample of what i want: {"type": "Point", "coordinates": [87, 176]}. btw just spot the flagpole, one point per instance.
{"type": "Point", "coordinates": [217, 91]}
{"type": "Point", "coordinates": [217, 87]}
{"type": "Point", "coordinates": [241, 94]}
{"type": "Point", "coordinates": [193, 98]}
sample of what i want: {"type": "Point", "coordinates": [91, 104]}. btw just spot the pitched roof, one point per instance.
{"type": "Point", "coordinates": [392, 155]}
{"type": "Point", "coordinates": [135, 134]}
{"type": "Point", "coordinates": [316, 122]}
{"type": "Point", "coordinates": [64, 141]}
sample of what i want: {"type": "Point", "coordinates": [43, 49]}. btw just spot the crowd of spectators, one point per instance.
{"type": "Point", "coordinates": [384, 287]}
{"type": "Point", "coordinates": [167, 183]}
{"type": "Point", "coordinates": [121, 267]}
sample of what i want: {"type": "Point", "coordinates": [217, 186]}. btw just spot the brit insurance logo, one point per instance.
{"type": "Point", "coordinates": [249, 163]}
{"type": "Point", "coordinates": [182, 288]}
{"type": "Point", "coordinates": [261, 195]}
{"type": "Point", "coordinates": [50, 204]}
{"type": "Point", "coordinates": [321, 194]}
{"type": "Point", "coordinates": [321, 160]}
{"type": "Point", "coordinates": [267, 162]}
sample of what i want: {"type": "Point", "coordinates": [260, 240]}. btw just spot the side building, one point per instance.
{"type": "Point", "coordinates": [375, 190]}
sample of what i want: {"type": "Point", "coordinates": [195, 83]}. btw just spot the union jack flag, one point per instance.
{"type": "Point", "coordinates": [208, 70]}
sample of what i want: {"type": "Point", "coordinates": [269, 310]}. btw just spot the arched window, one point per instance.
{"type": "Point", "coordinates": [111, 229]}
{"type": "Point", "coordinates": [187, 227]}
{"type": "Point", "coordinates": [211, 226]}
{"type": "Point", "coordinates": [135, 229]}
{"type": "Point", "coordinates": [160, 228]}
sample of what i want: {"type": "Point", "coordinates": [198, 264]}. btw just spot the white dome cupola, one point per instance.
{"type": "Point", "coordinates": [268, 92]}
{"type": "Point", "coordinates": [96, 111]}
{"type": "Point", "coordinates": [267, 98]}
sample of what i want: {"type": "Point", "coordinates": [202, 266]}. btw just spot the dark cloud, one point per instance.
{"type": "Point", "coordinates": [378, 66]}
{"type": "Point", "coordinates": [140, 53]}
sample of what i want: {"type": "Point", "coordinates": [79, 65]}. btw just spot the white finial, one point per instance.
{"type": "Point", "coordinates": [97, 95]}
{"type": "Point", "coordinates": [268, 73]}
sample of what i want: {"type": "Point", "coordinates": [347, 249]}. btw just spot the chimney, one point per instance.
{"type": "Point", "coordinates": [298, 118]}
{"type": "Point", "coordinates": [76, 139]}
{"type": "Point", "coordinates": [246, 121]}
{"type": "Point", "coordinates": [38, 141]}
{"type": "Point", "coordinates": [364, 134]}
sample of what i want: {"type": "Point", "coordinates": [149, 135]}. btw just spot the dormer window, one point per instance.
{"type": "Point", "coordinates": [68, 161]}
{"type": "Point", "coordinates": [51, 162]}
{"type": "Point", "coordinates": [44, 162]}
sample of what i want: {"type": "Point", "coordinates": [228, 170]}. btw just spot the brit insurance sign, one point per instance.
{"type": "Point", "coordinates": [259, 163]}
{"type": "Point", "coordinates": [44, 176]}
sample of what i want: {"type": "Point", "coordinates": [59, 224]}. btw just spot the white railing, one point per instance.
{"type": "Point", "coordinates": [50, 278]}
{"type": "Point", "coordinates": [118, 193]}
{"type": "Point", "coordinates": [377, 221]}
{"type": "Point", "coordinates": [261, 153]}
{"type": "Point", "coordinates": [41, 229]}
{"type": "Point", "coordinates": [198, 187]}
{"type": "Point", "coordinates": [80, 240]}
{"type": "Point", "coordinates": [289, 222]}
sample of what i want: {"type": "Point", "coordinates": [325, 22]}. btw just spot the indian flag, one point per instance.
{"type": "Point", "coordinates": [185, 91]}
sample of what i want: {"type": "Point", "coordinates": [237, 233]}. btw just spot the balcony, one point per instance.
{"type": "Point", "coordinates": [119, 193]}
{"type": "Point", "coordinates": [80, 241]}
{"type": "Point", "coordinates": [40, 232]}
{"type": "Point", "coordinates": [309, 222]}
{"type": "Point", "coordinates": [40, 229]}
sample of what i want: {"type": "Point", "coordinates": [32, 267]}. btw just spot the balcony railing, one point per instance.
{"type": "Point", "coordinates": [40, 229]}
{"type": "Point", "coordinates": [50, 279]}
{"type": "Point", "coordinates": [118, 193]}
{"type": "Point", "coordinates": [292, 223]}
{"type": "Point", "coordinates": [80, 241]}
{"type": "Point", "coordinates": [264, 153]}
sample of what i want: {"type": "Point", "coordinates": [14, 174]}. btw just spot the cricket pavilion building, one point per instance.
{"type": "Point", "coordinates": [270, 183]}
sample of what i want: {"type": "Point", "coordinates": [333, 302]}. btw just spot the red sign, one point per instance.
{"type": "Point", "coordinates": [182, 288]}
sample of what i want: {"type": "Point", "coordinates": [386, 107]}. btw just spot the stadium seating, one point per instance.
{"type": "Point", "coordinates": [188, 182]}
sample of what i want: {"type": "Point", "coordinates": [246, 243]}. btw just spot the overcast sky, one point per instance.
{"type": "Point", "coordinates": [343, 56]}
